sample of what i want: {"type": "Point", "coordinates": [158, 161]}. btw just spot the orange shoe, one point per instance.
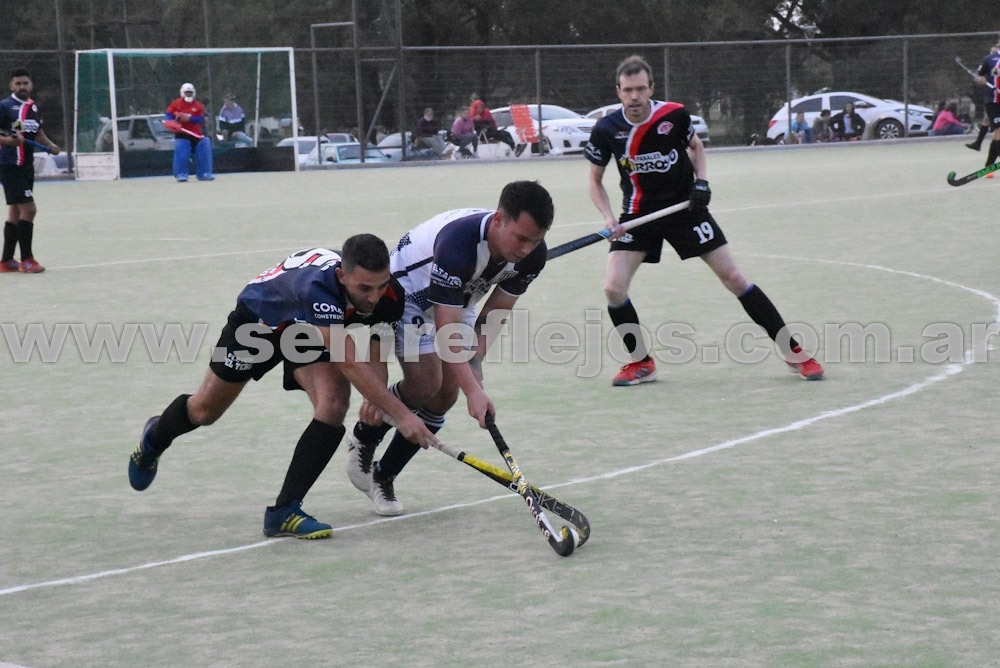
{"type": "Point", "coordinates": [9, 265]}
{"type": "Point", "coordinates": [633, 373]}
{"type": "Point", "coordinates": [808, 370]}
{"type": "Point", "coordinates": [991, 175]}
{"type": "Point", "coordinates": [30, 266]}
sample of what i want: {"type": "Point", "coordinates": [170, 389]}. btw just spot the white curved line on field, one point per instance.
{"type": "Point", "coordinates": [948, 372]}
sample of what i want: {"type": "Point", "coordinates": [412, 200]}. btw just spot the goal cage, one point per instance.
{"type": "Point", "coordinates": [121, 96]}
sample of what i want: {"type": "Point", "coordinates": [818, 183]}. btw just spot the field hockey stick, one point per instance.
{"type": "Point", "coordinates": [504, 478]}
{"type": "Point", "coordinates": [545, 500]}
{"type": "Point", "coordinates": [952, 181]}
{"type": "Point", "coordinates": [594, 237]}
{"type": "Point", "coordinates": [176, 128]}
{"type": "Point", "coordinates": [565, 542]}
{"type": "Point", "coordinates": [974, 74]}
{"type": "Point", "coordinates": [37, 145]}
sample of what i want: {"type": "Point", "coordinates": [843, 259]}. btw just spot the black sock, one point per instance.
{"type": "Point", "coordinates": [625, 316]}
{"type": "Point", "coordinates": [25, 230]}
{"type": "Point", "coordinates": [990, 159]}
{"type": "Point", "coordinates": [762, 311]}
{"type": "Point", "coordinates": [370, 435]}
{"type": "Point", "coordinates": [983, 129]}
{"type": "Point", "coordinates": [401, 450]}
{"type": "Point", "coordinates": [312, 453]}
{"type": "Point", "coordinates": [9, 241]}
{"type": "Point", "coordinates": [174, 422]}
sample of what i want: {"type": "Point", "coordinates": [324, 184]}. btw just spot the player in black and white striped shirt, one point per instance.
{"type": "Point", "coordinates": [447, 265]}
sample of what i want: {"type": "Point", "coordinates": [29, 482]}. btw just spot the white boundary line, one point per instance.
{"type": "Point", "coordinates": [948, 372]}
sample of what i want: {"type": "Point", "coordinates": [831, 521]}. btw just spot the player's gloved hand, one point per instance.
{"type": "Point", "coordinates": [700, 196]}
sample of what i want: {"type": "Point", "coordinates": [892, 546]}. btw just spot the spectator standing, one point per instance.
{"type": "Point", "coordinates": [20, 119]}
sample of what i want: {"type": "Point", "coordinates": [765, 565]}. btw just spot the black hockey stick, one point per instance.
{"type": "Point", "coordinates": [594, 237]}
{"type": "Point", "coordinates": [989, 169]}
{"type": "Point", "coordinates": [38, 145]}
{"type": "Point", "coordinates": [545, 500]}
{"type": "Point", "coordinates": [565, 542]}
{"type": "Point", "coordinates": [504, 478]}
{"type": "Point", "coordinates": [972, 72]}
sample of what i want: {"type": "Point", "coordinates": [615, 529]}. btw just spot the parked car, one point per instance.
{"type": "Point", "coordinates": [135, 133]}
{"type": "Point", "coordinates": [304, 145]}
{"type": "Point", "coordinates": [336, 153]}
{"type": "Point", "coordinates": [393, 149]}
{"type": "Point", "coordinates": [565, 131]}
{"type": "Point", "coordinates": [700, 126]}
{"type": "Point", "coordinates": [884, 119]}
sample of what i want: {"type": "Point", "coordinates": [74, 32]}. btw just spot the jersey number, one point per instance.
{"type": "Point", "coordinates": [705, 232]}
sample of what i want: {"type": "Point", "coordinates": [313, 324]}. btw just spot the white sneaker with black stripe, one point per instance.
{"type": "Point", "coordinates": [384, 497]}
{"type": "Point", "coordinates": [359, 463]}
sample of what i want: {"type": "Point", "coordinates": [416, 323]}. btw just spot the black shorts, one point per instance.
{"type": "Point", "coordinates": [691, 235]}
{"type": "Point", "coordinates": [237, 361]}
{"type": "Point", "coordinates": [993, 113]}
{"type": "Point", "coordinates": [18, 182]}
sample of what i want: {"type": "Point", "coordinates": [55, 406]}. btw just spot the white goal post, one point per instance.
{"type": "Point", "coordinates": [121, 95]}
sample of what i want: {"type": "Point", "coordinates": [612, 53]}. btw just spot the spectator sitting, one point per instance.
{"type": "Point", "coordinates": [487, 126]}
{"type": "Point", "coordinates": [232, 122]}
{"type": "Point", "coordinates": [800, 131]}
{"type": "Point", "coordinates": [463, 133]}
{"type": "Point", "coordinates": [947, 122]}
{"type": "Point", "coordinates": [847, 125]}
{"type": "Point", "coordinates": [821, 130]}
{"type": "Point", "coordinates": [428, 129]}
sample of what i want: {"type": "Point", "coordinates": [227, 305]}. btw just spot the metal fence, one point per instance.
{"type": "Point", "coordinates": [736, 86]}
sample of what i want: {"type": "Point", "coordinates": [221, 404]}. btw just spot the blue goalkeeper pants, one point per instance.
{"type": "Point", "coordinates": [202, 159]}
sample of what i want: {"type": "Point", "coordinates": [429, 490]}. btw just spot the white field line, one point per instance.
{"type": "Point", "coordinates": [948, 372]}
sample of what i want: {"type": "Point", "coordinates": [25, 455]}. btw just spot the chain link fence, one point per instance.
{"type": "Point", "coordinates": [736, 86]}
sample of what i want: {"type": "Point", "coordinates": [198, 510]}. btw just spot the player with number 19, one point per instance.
{"type": "Point", "coordinates": [662, 162]}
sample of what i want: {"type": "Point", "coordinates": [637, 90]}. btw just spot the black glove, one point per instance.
{"type": "Point", "coordinates": [701, 194]}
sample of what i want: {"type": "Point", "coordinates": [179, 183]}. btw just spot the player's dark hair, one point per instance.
{"type": "Point", "coordinates": [528, 197]}
{"type": "Point", "coordinates": [633, 65]}
{"type": "Point", "coordinates": [19, 72]}
{"type": "Point", "coordinates": [366, 251]}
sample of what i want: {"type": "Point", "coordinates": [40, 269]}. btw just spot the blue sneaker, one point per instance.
{"type": "Point", "coordinates": [291, 521]}
{"type": "Point", "coordinates": [142, 464]}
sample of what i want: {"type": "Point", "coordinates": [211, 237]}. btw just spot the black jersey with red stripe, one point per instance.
{"type": "Point", "coordinates": [22, 117]}
{"type": "Point", "coordinates": [651, 156]}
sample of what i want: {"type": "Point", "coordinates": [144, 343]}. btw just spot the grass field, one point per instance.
{"type": "Point", "coordinates": [740, 517]}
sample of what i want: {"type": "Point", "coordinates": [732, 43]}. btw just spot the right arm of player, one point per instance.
{"type": "Point", "coordinates": [478, 401]}
{"type": "Point", "coordinates": [599, 196]}
{"type": "Point", "coordinates": [367, 379]}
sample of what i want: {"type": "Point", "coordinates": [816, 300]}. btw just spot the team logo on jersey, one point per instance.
{"type": "Point", "coordinates": [28, 125]}
{"type": "Point", "coordinates": [664, 128]}
{"type": "Point", "coordinates": [649, 162]}
{"type": "Point", "coordinates": [327, 311]}
{"type": "Point", "coordinates": [441, 277]}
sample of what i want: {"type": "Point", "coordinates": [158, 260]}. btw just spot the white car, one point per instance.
{"type": "Point", "coordinates": [884, 119]}
{"type": "Point", "coordinates": [565, 131]}
{"type": "Point", "coordinates": [700, 126]}
{"type": "Point", "coordinates": [135, 133]}
{"type": "Point", "coordinates": [304, 146]}
{"type": "Point", "coordinates": [340, 153]}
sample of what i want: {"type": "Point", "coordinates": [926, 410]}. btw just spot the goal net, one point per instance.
{"type": "Point", "coordinates": [121, 96]}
